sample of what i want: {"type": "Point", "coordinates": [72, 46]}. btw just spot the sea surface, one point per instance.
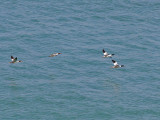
{"type": "Point", "coordinates": [79, 84]}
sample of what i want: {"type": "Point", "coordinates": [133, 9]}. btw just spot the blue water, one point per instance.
{"type": "Point", "coordinates": [79, 84]}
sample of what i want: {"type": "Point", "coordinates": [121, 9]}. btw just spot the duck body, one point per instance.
{"type": "Point", "coordinates": [106, 54]}
{"type": "Point", "coordinates": [14, 60]}
{"type": "Point", "coordinates": [116, 64]}
{"type": "Point", "coordinates": [54, 54]}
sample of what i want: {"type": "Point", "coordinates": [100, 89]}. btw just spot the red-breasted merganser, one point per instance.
{"type": "Point", "coordinates": [106, 54]}
{"type": "Point", "coordinates": [54, 54]}
{"type": "Point", "coordinates": [14, 60]}
{"type": "Point", "coordinates": [116, 64]}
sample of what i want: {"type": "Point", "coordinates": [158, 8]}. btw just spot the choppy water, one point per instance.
{"type": "Point", "coordinates": [79, 84]}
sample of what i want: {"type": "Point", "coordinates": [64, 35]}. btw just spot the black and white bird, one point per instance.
{"type": "Point", "coordinates": [54, 54]}
{"type": "Point", "coordinates": [14, 60]}
{"type": "Point", "coordinates": [106, 54]}
{"type": "Point", "coordinates": [116, 64]}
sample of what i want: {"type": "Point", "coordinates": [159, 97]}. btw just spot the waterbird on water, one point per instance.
{"type": "Point", "coordinates": [54, 54]}
{"type": "Point", "coordinates": [14, 60]}
{"type": "Point", "coordinates": [116, 64]}
{"type": "Point", "coordinates": [106, 54]}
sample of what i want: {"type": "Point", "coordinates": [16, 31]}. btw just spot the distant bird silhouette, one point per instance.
{"type": "Point", "coordinates": [116, 64]}
{"type": "Point", "coordinates": [14, 60]}
{"type": "Point", "coordinates": [54, 54]}
{"type": "Point", "coordinates": [106, 54]}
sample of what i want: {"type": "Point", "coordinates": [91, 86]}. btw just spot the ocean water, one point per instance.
{"type": "Point", "coordinates": [79, 84]}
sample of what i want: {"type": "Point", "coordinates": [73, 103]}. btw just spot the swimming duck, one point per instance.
{"type": "Point", "coordinates": [54, 54]}
{"type": "Point", "coordinates": [116, 64]}
{"type": "Point", "coordinates": [14, 60]}
{"type": "Point", "coordinates": [106, 54]}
